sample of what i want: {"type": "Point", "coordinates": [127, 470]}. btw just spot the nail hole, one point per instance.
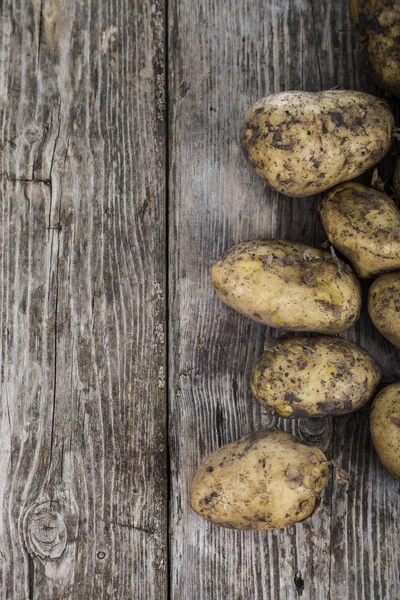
{"type": "Point", "coordinates": [101, 555]}
{"type": "Point", "coordinates": [299, 583]}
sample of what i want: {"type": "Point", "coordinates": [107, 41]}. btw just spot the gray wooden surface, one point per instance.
{"type": "Point", "coordinates": [83, 497]}
{"type": "Point", "coordinates": [223, 56]}
{"type": "Point", "coordinates": [93, 487]}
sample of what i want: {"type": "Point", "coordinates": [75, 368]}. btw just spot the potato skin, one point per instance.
{"type": "Point", "coordinates": [385, 428]}
{"type": "Point", "coordinates": [304, 143]}
{"type": "Point", "coordinates": [285, 284]}
{"type": "Point", "coordinates": [384, 306]}
{"type": "Point", "coordinates": [377, 23]}
{"type": "Point", "coordinates": [364, 225]}
{"type": "Point", "coordinates": [314, 377]}
{"type": "Point", "coordinates": [265, 480]}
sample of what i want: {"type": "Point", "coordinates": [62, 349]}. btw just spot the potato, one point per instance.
{"type": "Point", "coordinates": [396, 180]}
{"type": "Point", "coordinates": [314, 377]}
{"type": "Point", "coordinates": [385, 428]}
{"type": "Point", "coordinates": [377, 23]}
{"type": "Point", "coordinates": [265, 480]}
{"type": "Point", "coordinates": [364, 225]}
{"type": "Point", "coordinates": [303, 143]}
{"type": "Point", "coordinates": [284, 284]}
{"type": "Point", "coordinates": [384, 306]}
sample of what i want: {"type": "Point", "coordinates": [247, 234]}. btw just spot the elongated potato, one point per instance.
{"type": "Point", "coordinates": [377, 23]}
{"type": "Point", "coordinates": [384, 306]}
{"type": "Point", "coordinates": [364, 225]}
{"type": "Point", "coordinates": [284, 284]}
{"type": "Point", "coordinates": [314, 377]}
{"type": "Point", "coordinates": [385, 428]}
{"type": "Point", "coordinates": [303, 143]}
{"type": "Point", "coordinates": [265, 480]}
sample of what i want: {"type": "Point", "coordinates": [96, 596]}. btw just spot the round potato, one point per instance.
{"type": "Point", "coordinates": [364, 225]}
{"type": "Point", "coordinates": [265, 480]}
{"type": "Point", "coordinates": [303, 143]}
{"type": "Point", "coordinates": [314, 377]}
{"type": "Point", "coordinates": [377, 23]}
{"type": "Point", "coordinates": [384, 306]}
{"type": "Point", "coordinates": [285, 284]}
{"type": "Point", "coordinates": [385, 428]}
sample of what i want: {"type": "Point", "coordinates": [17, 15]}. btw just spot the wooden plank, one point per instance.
{"type": "Point", "coordinates": [83, 491]}
{"type": "Point", "coordinates": [223, 57]}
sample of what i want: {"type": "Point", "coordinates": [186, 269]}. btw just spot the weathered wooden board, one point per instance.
{"type": "Point", "coordinates": [223, 56]}
{"type": "Point", "coordinates": [83, 490]}
{"type": "Point", "coordinates": [83, 461]}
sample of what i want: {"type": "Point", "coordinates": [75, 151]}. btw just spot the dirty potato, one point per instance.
{"type": "Point", "coordinates": [364, 225]}
{"type": "Point", "coordinates": [265, 480]}
{"type": "Point", "coordinates": [314, 377]}
{"type": "Point", "coordinates": [377, 23]}
{"type": "Point", "coordinates": [384, 306]}
{"type": "Point", "coordinates": [303, 143]}
{"type": "Point", "coordinates": [285, 284]}
{"type": "Point", "coordinates": [385, 428]}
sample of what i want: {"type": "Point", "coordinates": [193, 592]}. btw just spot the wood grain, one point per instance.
{"type": "Point", "coordinates": [83, 459]}
{"type": "Point", "coordinates": [223, 56]}
{"type": "Point", "coordinates": [83, 491]}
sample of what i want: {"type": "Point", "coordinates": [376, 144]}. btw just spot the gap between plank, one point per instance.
{"type": "Point", "coordinates": [166, 296]}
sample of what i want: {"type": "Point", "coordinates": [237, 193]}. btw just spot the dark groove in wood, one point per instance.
{"type": "Point", "coordinates": [55, 344]}
{"type": "Point", "coordinates": [31, 577]}
{"type": "Point", "coordinates": [167, 289]}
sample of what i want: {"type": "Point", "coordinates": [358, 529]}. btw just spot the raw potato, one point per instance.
{"type": "Point", "coordinates": [314, 377]}
{"type": "Point", "coordinates": [304, 143]}
{"type": "Point", "coordinates": [384, 306]}
{"type": "Point", "coordinates": [377, 23]}
{"type": "Point", "coordinates": [364, 225]}
{"type": "Point", "coordinates": [265, 480]}
{"type": "Point", "coordinates": [285, 284]}
{"type": "Point", "coordinates": [385, 428]}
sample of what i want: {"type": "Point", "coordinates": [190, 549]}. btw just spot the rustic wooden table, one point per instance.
{"type": "Point", "coordinates": [121, 179]}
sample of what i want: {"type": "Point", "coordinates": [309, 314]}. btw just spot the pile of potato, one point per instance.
{"type": "Point", "coordinates": [305, 143]}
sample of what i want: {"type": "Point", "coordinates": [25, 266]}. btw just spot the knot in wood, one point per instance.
{"type": "Point", "coordinates": [316, 431]}
{"type": "Point", "coordinates": [45, 530]}
{"type": "Point", "coordinates": [32, 134]}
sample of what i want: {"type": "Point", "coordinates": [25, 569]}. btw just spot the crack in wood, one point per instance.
{"type": "Point", "coordinates": [55, 340]}
{"type": "Point", "coordinates": [31, 577]}
{"type": "Point", "coordinates": [46, 181]}
{"type": "Point", "coordinates": [316, 44]}
{"type": "Point", "coordinates": [40, 33]}
{"type": "Point", "coordinates": [58, 229]}
{"type": "Point", "coordinates": [299, 583]}
{"type": "Point", "coordinates": [131, 526]}
{"type": "Point", "coordinates": [57, 138]}
{"type": "Point", "coordinates": [8, 407]}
